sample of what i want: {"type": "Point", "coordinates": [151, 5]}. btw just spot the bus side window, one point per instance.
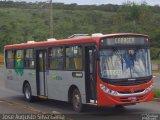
{"type": "Point", "coordinates": [29, 61]}
{"type": "Point", "coordinates": [74, 58]}
{"type": "Point", "coordinates": [10, 59]}
{"type": "Point", "coordinates": [56, 58]}
{"type": "Point", "coordinates": [19, 59]}
{"type": "Point", "coordinates": [78, 58]}
{"type": "Point", "coordinates": [70, 58]}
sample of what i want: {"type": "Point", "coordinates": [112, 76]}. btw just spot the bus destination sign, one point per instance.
{"type": "Point", "coordinates": [124, 40]}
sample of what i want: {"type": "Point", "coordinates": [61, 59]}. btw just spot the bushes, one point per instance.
{"type": "Point", "coordinates": [21, 21]}
{"type": "Point", "coordinates": [155, 53]}
{"type": "Point", "coordinates": [157, 93]}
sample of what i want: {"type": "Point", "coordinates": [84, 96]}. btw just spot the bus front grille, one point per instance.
{"type": "Point", "coordinates": [128, 83]}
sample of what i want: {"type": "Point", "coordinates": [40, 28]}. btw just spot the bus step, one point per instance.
{"type": "Point", "coordinates": [42, 97]}
{"type": "Point", "coordinates": [91, 104]}
{"type": "Point", "coordinates": [93, 101]}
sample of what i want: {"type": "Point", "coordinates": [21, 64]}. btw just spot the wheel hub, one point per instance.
{"type": "Point", "coordinates": [27, 93]}
{"type": "Point", "coordinates": [76, 100]}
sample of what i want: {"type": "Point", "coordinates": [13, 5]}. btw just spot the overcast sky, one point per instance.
{"type": "Point", "coordinates": [83, 2]}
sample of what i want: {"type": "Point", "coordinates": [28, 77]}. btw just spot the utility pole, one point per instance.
{"type": "Point", "coordinates": [51, 20]}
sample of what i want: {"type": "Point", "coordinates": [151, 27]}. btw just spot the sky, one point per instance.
{"type": "Point", "coordinates": [98, 2]}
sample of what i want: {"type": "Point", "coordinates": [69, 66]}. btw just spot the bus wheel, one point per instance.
{"type": "Point", "coordinates": [28, 93]}
{"type": "Point", "coordinates": [77, 101]}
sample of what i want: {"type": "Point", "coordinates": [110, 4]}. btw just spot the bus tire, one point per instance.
{"type": "Point", "coordinates": [77, 101]}
{"type": "Point", "coordinates": [28, 93]}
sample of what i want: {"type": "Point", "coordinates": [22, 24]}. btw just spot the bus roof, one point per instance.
{"type": "Point", "coordinates": [85, 39]}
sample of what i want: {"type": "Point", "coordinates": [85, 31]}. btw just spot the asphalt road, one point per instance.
{"type": "Point", "coordinates": [156, 81]}
{"type": "Point", "coordinates": [14, 102]}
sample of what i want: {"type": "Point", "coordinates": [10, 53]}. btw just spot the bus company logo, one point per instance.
{"type": "Point", "coordinates": [56, 77]}
{"type": "Point", "coordinates": [132, 90]}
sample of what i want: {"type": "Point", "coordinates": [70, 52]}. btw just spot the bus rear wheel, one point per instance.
{"type": "Point", "coordinates": [77, 101]}
{"type": "Point", "coordinates": [28, 93]}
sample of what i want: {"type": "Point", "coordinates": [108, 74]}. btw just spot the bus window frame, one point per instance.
{"type": "Point", "coordinates": [15, 59]}
{"type": "Point", "coordinates": [83, 44]}
{"type": "Point", "coordinates": [74, 45]}
{"type": "Point", "coordinates": [117, 81]}
{"type": "Point", "coordinates": [48, 63]}
{"type": "Point", "coordinates": [24, 49]}
{"type": "Point", "coordinates": [6, 54]}
{"type": "Point", "coordinates": [64, 55]}
{"type": "Point", "coordinates": [29, 58]}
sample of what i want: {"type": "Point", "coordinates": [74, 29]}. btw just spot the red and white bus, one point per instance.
{"type": "Point", "coordinates": [104, 70]}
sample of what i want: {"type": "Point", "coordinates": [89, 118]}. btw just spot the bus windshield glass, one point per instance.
{"type": "Point", "coordinates": [125, 63]}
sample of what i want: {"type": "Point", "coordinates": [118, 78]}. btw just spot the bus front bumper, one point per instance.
{"type": "Point", "coordinates": [107, 97]}
{"type": "Point", "coordinates": [109, 100]}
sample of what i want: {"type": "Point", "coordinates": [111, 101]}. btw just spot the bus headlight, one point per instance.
{"type": "Point", "coordinates": [106, 90]}
{"type": "Point", "coordinates": [115, 93]}
{"type": "Point", "coordinates": [149, 89]}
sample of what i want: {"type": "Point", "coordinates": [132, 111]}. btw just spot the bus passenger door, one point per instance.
{"type": "Point", "coordinates": [90, 73]}
{"type": "Point", "coordinates": [41, 72]}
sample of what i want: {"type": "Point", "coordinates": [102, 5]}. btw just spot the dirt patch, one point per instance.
{"type": "Point", "coordinates": [1, 59]}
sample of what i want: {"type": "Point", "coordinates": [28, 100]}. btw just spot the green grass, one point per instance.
{"type": "Point", "coordinates": [155, 61]}
{"type": "Point", "coordinates": [157, 93]}
{"type": "Point", "coordinates": [156, 72]}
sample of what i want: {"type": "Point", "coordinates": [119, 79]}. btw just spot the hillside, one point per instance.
{"type": "Point", "coordinates": [20, 21]}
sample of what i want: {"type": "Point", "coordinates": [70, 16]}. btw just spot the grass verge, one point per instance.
{"type": "Point", "coordinates": [155, 61]}
{"type": "Point", "coordinates": [156, 72]}
{"type": "Point", "coordinates": [157, 93]}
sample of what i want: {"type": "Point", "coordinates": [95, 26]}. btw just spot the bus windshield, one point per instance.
{"type": "Point", "coordinates": [125, 63]}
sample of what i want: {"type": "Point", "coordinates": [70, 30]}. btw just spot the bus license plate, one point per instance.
{"type": "Point", "coordinates": [132, 99]}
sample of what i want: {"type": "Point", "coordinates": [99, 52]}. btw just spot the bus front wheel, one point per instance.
{"type": "Point", "coordinates": [28, 92]}
{"type": "Point", "coordinates": [77, 101]}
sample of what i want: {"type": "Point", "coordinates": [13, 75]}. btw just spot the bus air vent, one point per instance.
{"type": "Point", "coordinates": [30, 41]}
{"type": "Point", "coordinates": [51, 39]}
{"type": "Point", "coordinates": [78, 35]}
{"type": "Point", "coordinates": [97, 34]}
